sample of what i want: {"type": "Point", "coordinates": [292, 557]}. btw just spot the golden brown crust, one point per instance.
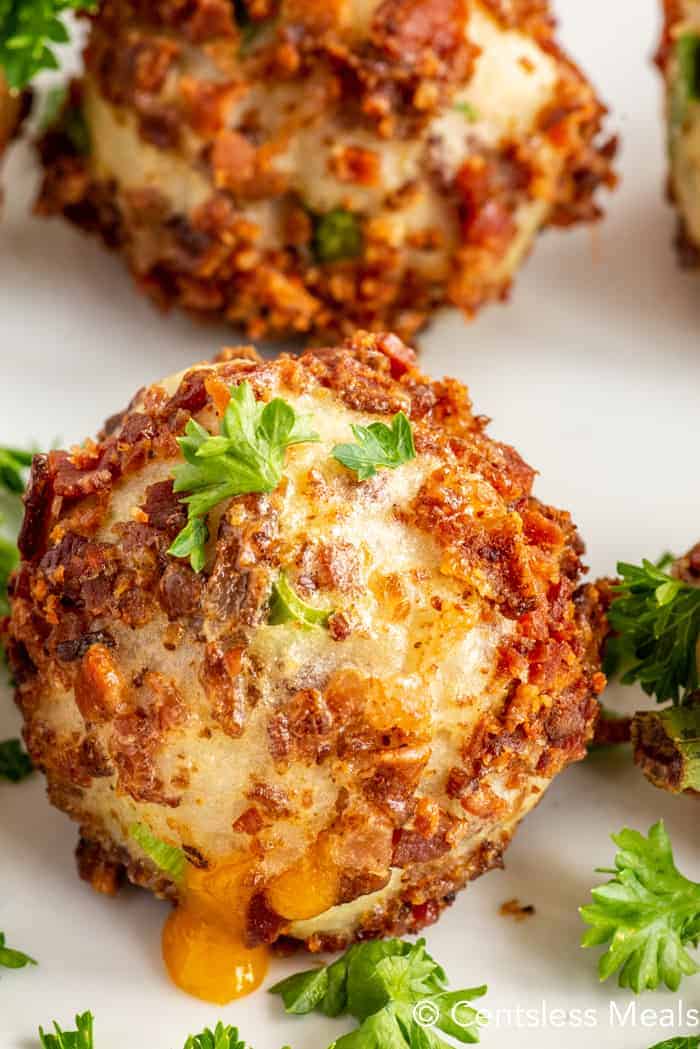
{"type": "Point", "coordinates": [136, 651]}
{"type": "Point", "coordinates": [14, 106]}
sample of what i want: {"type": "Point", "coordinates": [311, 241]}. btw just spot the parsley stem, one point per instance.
{"type": "Point", "coordinates": [667, 745]}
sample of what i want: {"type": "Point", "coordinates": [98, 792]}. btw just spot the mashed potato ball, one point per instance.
{"type": "Point", "coordinates": [300, 166]}
{"type": "Point", "coordinates": [340, 714]}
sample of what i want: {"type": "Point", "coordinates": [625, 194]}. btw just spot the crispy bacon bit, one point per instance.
{"type": "Point", "coordinates": [412, 847]}
{"type": "Point", "coordinates": [232, 160]}
{"type": "Point", "coordinates": [515, 909]}
{"type": "Point", "coordinates": [99, 688]}
{"type": "Point", "coordinates": [94, 866]}
{"type": "Point", "coordinates": [138, 736]}
{"type": "Point", "coordinates": [75, 648]}
{"type": "Point", "coordinates": [180, 591]}
{"type": "Point", "coordinates": [225, 687]}
{"type": "Point", "coordinates": [484, 548]}
{"type": "Point", "coordinates": [249, 822]}
{"type": "Point", "coordinates": [262, 924]}
{"type": "Point", "coordinates": [302, 730]}
{"type": "Point", "coordinates": [357, 165]}
{"type": "Point", "coordinates": [191, 394]}
{"type": "Point", "coordinates": [37, 510]}
{"type": "Point", "coordinates": [406, 29]}
{"type": "Point", "coordinates": [394, 782]}
{"type": "Point", "coordinates": [401, 357]}
{"type": "Point", "coordinates": [163, 508]}
{"type": "Point", "coordinates": [206, 104]}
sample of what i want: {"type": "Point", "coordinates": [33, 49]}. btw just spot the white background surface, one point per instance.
{"type": "Point", "coordinates": [593, 372]}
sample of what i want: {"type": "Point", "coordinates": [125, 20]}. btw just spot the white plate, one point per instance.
{"type": "Point", "coordinates": [593, 372]}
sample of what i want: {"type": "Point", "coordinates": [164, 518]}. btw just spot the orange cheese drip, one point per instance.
{"type": "Point", "coordinates": [307, 889]}
{"type": "Point", "coordinates": [203, 939]}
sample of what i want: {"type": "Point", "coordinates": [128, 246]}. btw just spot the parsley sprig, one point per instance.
{"type": "Point", "coordinates": [377, 445]}
{"type": "Point", "coordinates": [667, 745]}
{"type": "Point", "coordinates": [648, 913]}
{"type": "Point", "coordinates": [15, 763]}
{"type": "Point", "coordinates": [11, 958]}
{"type": "Point", "coordinates": [81, 1038]}
{"type": "Point", "coordinates": [396, 991]}
{"type": "Point", "coordinates": [248, 455]}
{"type": "Point", "coordinates": [684, 1042]}
{"type": "Point", "coordinates": [220, 1038]}
{"type": "Point", "coordinates": [657, 620]}
{"type": "Point", "coordinates": [28, 29]}
{"type": "Point", "coordinates": [13, 472]}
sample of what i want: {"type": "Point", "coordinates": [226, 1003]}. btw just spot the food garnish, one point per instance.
{"type": "Point", "coordinates": [667, 745]}
{"type": "Point", "coordinates": [11, 958]}
{"type": "Point", "coordinates": [81, 1038]}
{"type": "Point", "coordinates": [684, 1042]}
{"type": "Point", "coordinates": [15, 763]}
{"type": "Point", "coordinates": [648, 913]}
{"type": "Point", "coordinates": [396, 991]}
{"type": "Point", "coordinates": [657, 620]}
{"type": "Point", "coordinates": [246, 456]}
{"type": "Point", "coordinates": [337, 235]}
{"type": "Point", "coordinates": [28, 31]}
{"type": "Point", "coordinates": [13, 466]}
{"type": "Point", "coordinates": [220, 1038]}
{"type": "Point", "coordinates": [168, 858]}
{"type": "Point", "coordinates": [286, 606]}
{"type": "Point", "coordinates": [377, 445]}
{"type": "Point", "coordinates": [467, 110]}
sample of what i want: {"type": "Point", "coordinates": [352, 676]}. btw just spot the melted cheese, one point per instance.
{"type": "Point", "coordinates": [203, 939]}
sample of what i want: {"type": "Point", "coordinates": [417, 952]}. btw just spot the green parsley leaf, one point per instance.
{"type": "Point", "coordinates": [15, 763]}
{"type": "Point", "coordinates": [467, 110]}
{"type": "Point", "coordinates": [287, 607]}
{"type": "Point", "coordinates": [657, 620]}
{"type": "Point", "coordinates": [169, 858]}
{"type": "Point", "coordinates": [9, 557]}
{"type": "Point", "coordinates": [648, 913]}
{"type": "Point", "coordinates": [689, 1042]}
{"type": "Point", "coordinates": [13, 471]}
{"type": "Point", "coordinates": [12, 959]}
{"type": "Point", "coordinates": [191, 542]}
{"type": "Point", "coordinates": [81, 1038]}
{"type": "Point", "coordinates": [220, 1038]}
{"type": "Point", "coordinates": [13, 463]}
{"type": "Point", "coordinates": [28, 28]}
{"type": "Point", "coordinates": [395, 989]}
{"type": "Point", "coordinates": [248, 455]}
{"type": "Point", "coordinates": [377, 445]}
{"type": "Point", "coordinates": [383, 1030]}
{"type": "Point", "coordinates": [337, 235]}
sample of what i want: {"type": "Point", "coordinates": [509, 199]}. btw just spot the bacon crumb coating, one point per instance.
{"type": "Point", "coordinates": [301, 167]}
{"type": "Point", "coordinates": [13, 107]}
{"type": "Point", "coordinates": [679, 60]}
{"type": "Point", "coordinates": [378, 766]}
